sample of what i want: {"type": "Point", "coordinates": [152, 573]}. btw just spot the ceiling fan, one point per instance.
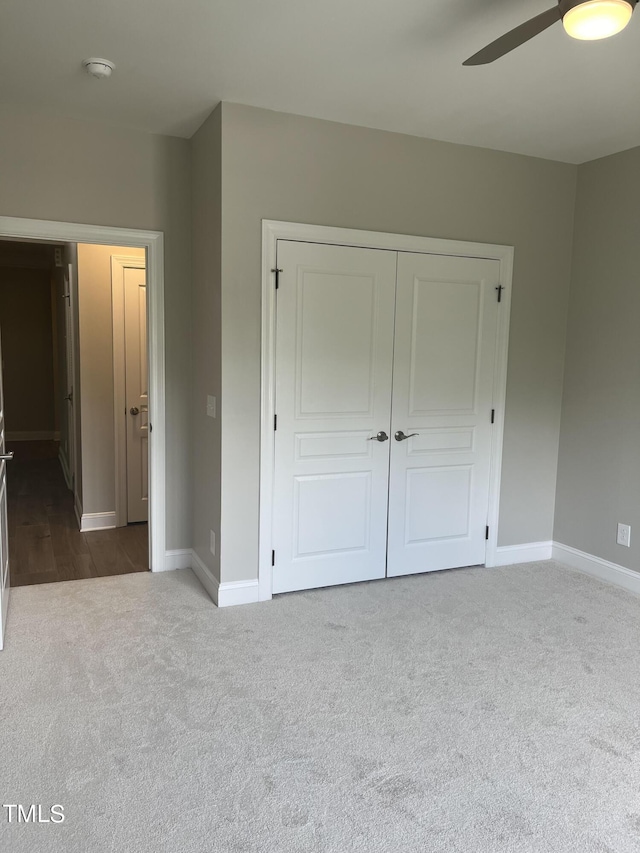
{"type": "Point", "coordinates": [582, 19]}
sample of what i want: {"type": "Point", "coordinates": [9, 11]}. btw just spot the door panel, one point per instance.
{"type": "Point", "coordinates": [5, 580]}
{"type": "Point", "coordinates": [333, 393]}
{"type": "Point", "coordinates": [446, 316]}
{"type": "Point", "coordinates": [137, 394]}
{"type": "Point", "coordinates": [443, 359]}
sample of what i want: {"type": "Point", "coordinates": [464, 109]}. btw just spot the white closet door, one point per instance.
{"type": "Point", "coordinates": [334, 357]}
{"type": "Point", "coordinates": [445, 337]}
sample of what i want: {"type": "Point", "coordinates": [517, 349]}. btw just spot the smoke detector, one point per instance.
{"type": "Point", "coordinates": [100, 68]}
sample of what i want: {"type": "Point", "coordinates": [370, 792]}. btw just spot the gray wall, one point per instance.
{"type": "Point", "coordinates": [97, 418]}
{"type": "Point", "coordinates": [599, 460]}
{"type": "Point", "coordinates": [280, 166]}
{"type": "Point", "coordinates": [206, 195]}
{"type": "Point", "coordinates": [26, 322]}
{"type": "Point", "coordinates": [74, 171]}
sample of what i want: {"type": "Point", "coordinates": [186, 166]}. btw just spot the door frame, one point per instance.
{"type": "Point", "coordinates": [120, 263]}
{"type": "Point", "coordinates": [153, 243]}
{"type": "Point", "coordinates": [70, 317]}
{"type": "Point", "coordinates": [272, 231]}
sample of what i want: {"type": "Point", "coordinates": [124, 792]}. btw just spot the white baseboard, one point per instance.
{"type": "Point", "coordinates": [246, 592]}
{"type": "Point", "coordinates": [224, 594]}
{"type": "Point", "coordinates": [597, 567]}
{"type": "Point", "coordinates": [204, 575]}
{"type": "Point", "coordinates": [529, 552]}
{"type": "Point", "coordinates": [33, 435]}
{"type": "Point", "coordinates": [238, 592]}
{"type": "Point", "coordinates": [97, 521]}
{"type": "Point", "coordinates": [65, 469]}
{"type": "Point", "coordinates": [176, 559]}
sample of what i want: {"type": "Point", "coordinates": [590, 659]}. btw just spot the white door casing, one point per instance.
{"type": "Point", "coordinates": [333, 391]}
{"type": "Point", "coordinates": [5, 580]}
{"type": "Point", "coordinates": [443, 377]}
{"type": "Point", "coordinates": [70, 395]}
{"type": "Point", "coordinates": [137, 393]}
{"type": "Point", "coordinates": [153, 243]}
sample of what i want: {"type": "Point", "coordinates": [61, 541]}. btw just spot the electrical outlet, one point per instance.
{"type": "Point", "coordinates": [624, 535]}
{"type": "Point", "coordinates": [211, 407]}
{"type": "Point", "coordinates": [213, 542]}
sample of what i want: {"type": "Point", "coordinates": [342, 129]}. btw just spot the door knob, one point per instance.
{"type": "Point", "coordinates": [381, 436]}
{"type": "Point", "coordinates": [400, 436]}
{"type": "Point", "coordinates": [6, 456]}
{"type": "Point", "coordinates": [134, 410]}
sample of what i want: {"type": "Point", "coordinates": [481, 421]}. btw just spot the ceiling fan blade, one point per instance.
{"type": "Point", "coordinates": [515, 38]}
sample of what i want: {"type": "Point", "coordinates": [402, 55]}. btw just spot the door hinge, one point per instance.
{"type": "Point", "coordinates": [499, 288]}
{"type": "Point", "coordinates": [493, 415]}
{"type": "Point", "coordinates": [273, 558]}
{"type": "Point", "coordinates": [486, 532]}
{"type": "Point", "coordinates": [275, 422]}
{"type": "Point", "coordinates": [277, 272]}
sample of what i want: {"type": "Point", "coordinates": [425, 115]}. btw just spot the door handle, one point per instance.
{"type": "Point", "coordinates": [400, 436]}
{"type": "Point", "coordinates": [6, 456]}
{"type": "Point", "coordinates": [381, 436]}
{"type": "Point", "coordinates": [134, 410]}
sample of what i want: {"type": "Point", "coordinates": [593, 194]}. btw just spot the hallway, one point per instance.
{"type": "Point", "coordinates": [45, 544]}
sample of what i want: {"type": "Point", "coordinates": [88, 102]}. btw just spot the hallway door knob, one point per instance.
{"type": "Point", "coordinates": [134, 410]}
{"type": "Point", "coordinates": [381, 436]}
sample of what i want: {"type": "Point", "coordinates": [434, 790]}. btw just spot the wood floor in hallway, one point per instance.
{"type": "Point", "coordinates": [45, 544]}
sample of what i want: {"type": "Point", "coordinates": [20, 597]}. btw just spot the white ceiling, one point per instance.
{"type": "Point", "coordinates": [391, 64]}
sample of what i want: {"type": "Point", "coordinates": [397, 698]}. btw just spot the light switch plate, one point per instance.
{"type": "Point", "coordinates": [624, 535]}
{"type": "Point", "coordinates": [211, 406]}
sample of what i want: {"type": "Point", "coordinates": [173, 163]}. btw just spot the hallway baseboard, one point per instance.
{"type": "Point", "coordinates": [97, 521]}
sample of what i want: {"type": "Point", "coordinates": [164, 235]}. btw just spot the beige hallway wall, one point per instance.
{"type": "Point", "coordinates": [96, 374]}
{"type": "Point", "coordinates": [279, 166]}
{"type": "Point", "coordinates": [599, 459]}
{"type": "Point", "coordinates": [75, 171]}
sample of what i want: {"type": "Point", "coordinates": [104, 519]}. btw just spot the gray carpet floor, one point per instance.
{"type": "Point", "coordinates": [481, 710]}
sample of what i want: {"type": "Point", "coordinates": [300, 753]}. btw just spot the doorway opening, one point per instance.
{"type": "Point", "coordinates": [55, 453]}
{"type": "Point", "coordinates": [77, 485]}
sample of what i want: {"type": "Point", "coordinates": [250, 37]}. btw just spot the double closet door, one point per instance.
{"type": "Point", "coordinates": [384, 390]}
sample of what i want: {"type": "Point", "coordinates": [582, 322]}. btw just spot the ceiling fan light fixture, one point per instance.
{"type": "Point", "coordinates": [597, 19]}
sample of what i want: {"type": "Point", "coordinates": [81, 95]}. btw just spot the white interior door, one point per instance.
{"type": "Point", "coordinates": [333, 393]}
{"type": "Point", "coordinates": [4, 528]}
{"type": "Point", "coordinates": [444, 360]}
{"type": "Point", "coordinates": [137, 393]}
